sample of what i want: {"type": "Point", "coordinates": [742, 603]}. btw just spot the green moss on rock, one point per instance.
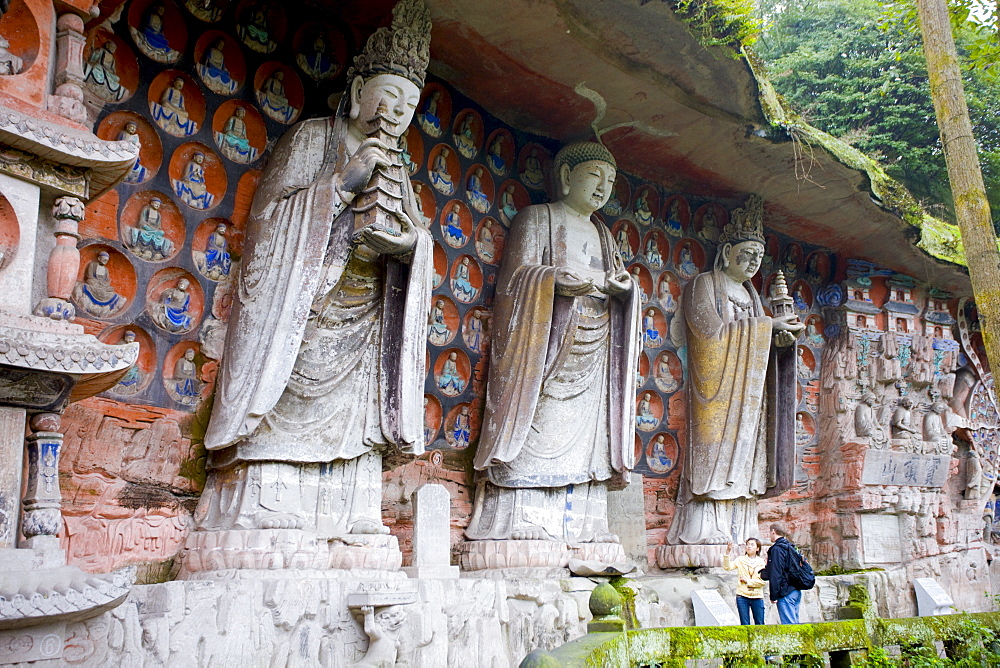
{"type": "Point", "coordinates": [971, 639]}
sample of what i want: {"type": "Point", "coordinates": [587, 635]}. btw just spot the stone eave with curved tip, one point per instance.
{"type": "Point", "coordinates": [91, 366]}
{"type": "Point", "coordinates": [65, 594]}
{"type": "Point", "coordinates": [696, 119]}
{"type": "Point", "coordinates": [103, 163]}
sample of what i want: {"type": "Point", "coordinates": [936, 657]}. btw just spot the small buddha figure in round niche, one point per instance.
{"type": "Point", "coordinates": [440, 176]}
{"type": "Point", "coordinates": [274, 101]}
{"type": "Point", "coordinates": [233, 140]}
{"type": "Point", "coordinates": [130, 134]}
{"type": "Point", "coordinates": [213, 70]}
{"type": "Point", "coordinates": [100, 73]}
{"type": "Point", "coordinates": [173, 311]}
{"type": "Point", "coordinates": [133, 380]}
{"type": "Point", "coordinates": [508, 209]}
{"type": "Point", "coordinates": [461, 284]}
{"type": "Point", "coordinates": [95, 294]}
{"type": "Point", "coordinates": [474, 191]}
{"type": "Point", "coordinates": [147, 239]}
{"type": "Point", "coordinates": [437, 329]}
{"type": "Point", "coordinates": [317, 63]}
{"type": "Point", "coordinates": [171, 112]}
{"type": "Point", "coordinates": [185, 384]}
{"type": "Point", "coordinates": [192, 188]}
{"type": "Point", "coordinates": [215, 262]}
{"type": "Point", "coordinates": [532, 174]}
{"type": "Point", "coordinates": [150, 37]}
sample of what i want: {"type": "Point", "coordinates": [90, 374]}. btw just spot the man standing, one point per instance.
{"type": "Point", "coordinates": [780, 559]}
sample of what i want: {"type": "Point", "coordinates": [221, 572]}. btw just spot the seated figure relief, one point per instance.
{"type": "Point", "coordinates": [95, 294]}
{"type": "Point", "coordinates": [147, 238]}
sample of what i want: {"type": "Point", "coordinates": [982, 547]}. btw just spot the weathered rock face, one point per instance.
{"type": "Point", "coordinates": [143, 438]}
{"type": "Point", "coordinates": [130, 479]}
{"type": "Point", "coordinates": [894, 416]}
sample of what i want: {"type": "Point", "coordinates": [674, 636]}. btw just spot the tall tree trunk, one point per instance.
{"type": "Point", "coordinates": [971, 206]}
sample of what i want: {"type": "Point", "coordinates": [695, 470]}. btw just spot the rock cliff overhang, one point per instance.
{"type": "Point", "coordinates": [694, 118]}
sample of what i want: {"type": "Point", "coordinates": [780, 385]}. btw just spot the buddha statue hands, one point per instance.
{"type": "Point", "coordinates": [786, 329]}
{"type": "Point", "coordinates": [356, 174]}
{"type": "Point", "coordinates": [390, 242]}
{"type": "Point", "coordinates": [569, 284]}
{"type": "Point", "coordinates": [618, 283]}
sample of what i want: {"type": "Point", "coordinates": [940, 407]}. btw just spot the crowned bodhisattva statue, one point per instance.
{"type": "Point", "coordinates": [741, 400]}
{"type": "Point", "coordinates": [325, 352]}
{"type": "Point", "coordinates": [560, 401]}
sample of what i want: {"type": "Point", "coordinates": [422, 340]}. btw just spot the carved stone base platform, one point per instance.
{"type": "Point", "coordinates": [689, 556]}
{"type": "Point", "coordinates": [589, 559]}
{"type": "Point", "coordinates": [607, 553]}
{"type": "Point", "coordinates": [477, 555]}
{"type": "Point", "coordinates": [285, 549]}
{"type": "Point", "coordinates": [310, 618]}
{"type": "Point", "coordinates": [379, 552]}
{"type": "Point", "coordinates": [40, 598]}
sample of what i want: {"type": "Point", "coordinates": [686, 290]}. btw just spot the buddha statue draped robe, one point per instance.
{"type": "Point", "coordinates": [325, 356]}
{"type": "Point", "coordinates": [741, 405]}
{"type": "Point", "coordinates": [559, 423]}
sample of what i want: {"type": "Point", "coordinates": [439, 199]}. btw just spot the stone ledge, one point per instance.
{"type": "Point", "coordinates": [29, 598]}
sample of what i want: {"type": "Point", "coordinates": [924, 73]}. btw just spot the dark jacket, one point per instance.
{"type": "Point", "coordinates": [779, 560]}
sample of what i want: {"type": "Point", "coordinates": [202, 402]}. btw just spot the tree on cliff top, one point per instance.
{"type": "Point", "coordinates": [859, 73]}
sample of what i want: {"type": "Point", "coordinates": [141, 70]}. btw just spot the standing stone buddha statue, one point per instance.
{"type": "Point", "coordinates": [741, 404]}
{"type": "Point", "coordinates": [560, 401]}
{"type": "Point", "coordinates": [324, 365]}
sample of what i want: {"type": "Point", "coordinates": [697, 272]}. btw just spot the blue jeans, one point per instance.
{"type": "Point", "coordinates": [788, 607]}
{"type": "Point", "coordinates": [746, 605]}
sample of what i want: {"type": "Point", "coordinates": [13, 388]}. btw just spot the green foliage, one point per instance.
{"type": "Point", "coordinates": [859, 74]}
{"type": "Point", "coordinates": [837, 569]}
{"type": "Point", "coordinates": [970, 641]}
{"type": "Point", "coordinates": [978, 21]}
{"type": "Point", "coordinates": [720, 22]}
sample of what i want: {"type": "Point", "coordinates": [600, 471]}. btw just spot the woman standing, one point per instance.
{"type": "Point", "coordinates": [750, 591]}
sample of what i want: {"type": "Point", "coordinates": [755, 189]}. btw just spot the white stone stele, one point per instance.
{"type": "Point", "coordinates": [932, 599]}
{"type": "Point", "coordinates": [431, 534]}
{"type": "Point", "coordinates": [881, 540]}
{"type": "Point", "coordinates": [711, 610]}
{"type": "Point", "coordinates": [627, 519]}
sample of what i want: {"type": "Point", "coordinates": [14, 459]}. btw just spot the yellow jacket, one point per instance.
{"type": "Point", "coordinates": [751, 585]}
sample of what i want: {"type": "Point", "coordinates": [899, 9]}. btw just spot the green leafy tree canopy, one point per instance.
{"type": "Point", "coordinates": [858, 72]}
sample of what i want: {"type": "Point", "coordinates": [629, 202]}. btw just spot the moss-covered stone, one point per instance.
{"type": "Point", "coordinates": [969, 638]}
{"type": "Point", "coordinates": [540, 659]}
{"type": "Point", "coordinates": [625, 588]}
{"type": "Point", "coordinates": [606, 607]}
